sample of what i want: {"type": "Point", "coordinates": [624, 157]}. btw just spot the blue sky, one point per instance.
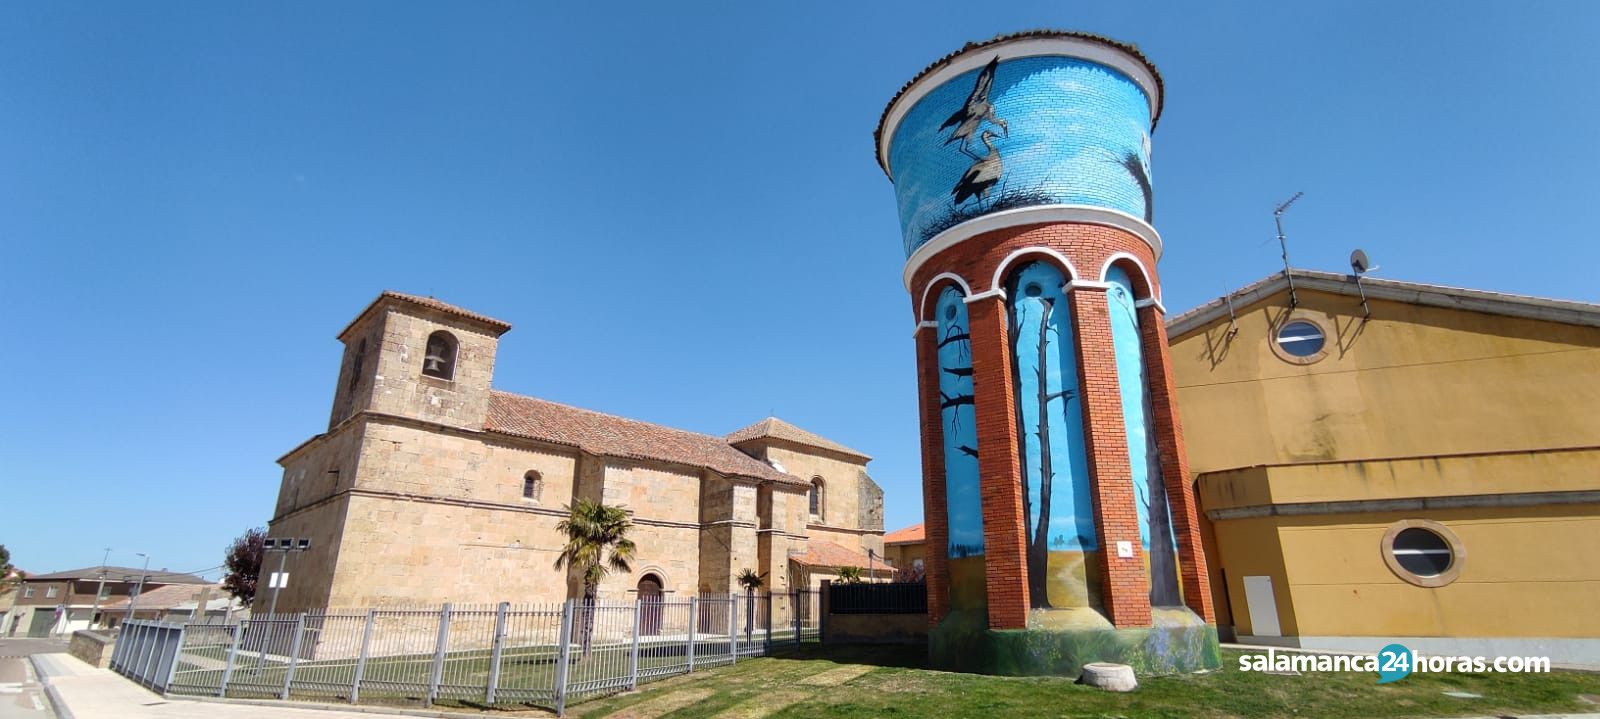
{"type": "Point", "coordinates": [195, 197]}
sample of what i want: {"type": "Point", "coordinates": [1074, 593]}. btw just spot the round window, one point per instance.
{"type": "Point", "coordinates": [1301, 338]}
{"type": "Point", "coordinates": [1423, 553]}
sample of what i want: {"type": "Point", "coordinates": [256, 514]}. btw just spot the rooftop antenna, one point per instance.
{"type": "Point", "coordinates": [1283, 244]}
{"type": "Point", "coordinates": [1233, 319]}
{"type": "Point", "coordinates": [1361, 265]}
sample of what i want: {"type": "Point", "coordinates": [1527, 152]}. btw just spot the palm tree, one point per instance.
{"type": "Point", "coordinates": [850, 575]}
{"type": "Point", "coordinates": [751, 582]}
{"type": "Point", "coordinates": [597, 542]}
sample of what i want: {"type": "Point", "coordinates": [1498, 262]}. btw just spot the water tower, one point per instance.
{"type": "Point", "coordinates": [1061, 525]}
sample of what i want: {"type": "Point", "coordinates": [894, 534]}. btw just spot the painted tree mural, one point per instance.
{"type": "Point", "coordinates": [1144, 459]}
{"type": "Point", "coordinates": [963, 501]}
{"type": "Point", "coordinates": [1050, 443]}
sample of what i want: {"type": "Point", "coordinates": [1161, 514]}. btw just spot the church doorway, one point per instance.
{"type": "Point", "coordinates": [649, 605]}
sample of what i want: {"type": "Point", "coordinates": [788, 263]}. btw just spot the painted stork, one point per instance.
{"type": "Point", "coordinates": [977, 109]}
{"type": "Point", "coordinates": [982, 175]}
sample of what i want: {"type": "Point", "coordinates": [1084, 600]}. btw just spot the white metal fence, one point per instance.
{"type": "Point", "coordinates": [547, 655]}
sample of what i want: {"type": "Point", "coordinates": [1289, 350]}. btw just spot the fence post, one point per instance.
{"type": "Point", "coordinates": [496, 651]}
{"type": "Point", "coordinates": [633, 656]}
{"type": "Point", "coordinates": [733, 628]}
{"type": "Point", "coordinates": [233, 655]}
{"type": "Point", "coordinates": [824, 608]}
{"type": "Point", "coordinates": [116, 654]}
{"type": "Point", "coordinates": [694, 624]}
{"type": "Point", "coordinates": [794, 615]}
{"type": "Point", "coordinates": [361, 659]}
{"type": "Point", "coordinates": [294, 653]}
{"type": "Point", "coordinates": [177, 652]}
{"type": "Point", "coordinates": [437, 675]}
{"type": "Point", "coordinates": [768, 646]}
{"type": "Point", "coordinates": [148, 668]}
{"type": "Point", "coordinates": [563, 658]}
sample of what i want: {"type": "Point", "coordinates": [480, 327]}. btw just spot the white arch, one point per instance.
{"type": "Point", "coordinates": [966, 290]}
{"type": "Point", "coordinates": [1000, 272]}
{"type": "Point", "coordinates": [1036, 215]}
{"type": "Point", "coordinates": [1105, 272]}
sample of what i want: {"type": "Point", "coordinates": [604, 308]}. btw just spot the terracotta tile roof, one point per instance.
{"type": "Point", "coordinates": [774, 428]}
{"type": "Point", "coordinates": [499, 326]}
{"type": "Point", "coordinates": [908, 535]}
{"type": "Point", "coordinates": [877, 135]}
{"type": "Point", "coordinates": [118, 574]}
{"type": "Point", "coordinates": [166, 597]}
{"type": "Point", "coordinates": [827, 554]}
{"type": "Point", "coordinates": [614, 436]}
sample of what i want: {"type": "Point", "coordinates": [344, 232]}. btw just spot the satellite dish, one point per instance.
{"type": "Point", "coordinates": [1359, 262]}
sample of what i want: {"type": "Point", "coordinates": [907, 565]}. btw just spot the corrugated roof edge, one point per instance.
{"type": "Point", "coordinates": [1131, 49]}
{"type": "Point", "coordinates": [1501, 303]}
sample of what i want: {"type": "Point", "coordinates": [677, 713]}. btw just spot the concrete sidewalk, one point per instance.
{"type": "Point", "coordinates": [80, 691]}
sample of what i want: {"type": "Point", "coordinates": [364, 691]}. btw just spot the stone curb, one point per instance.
{"type": "Point", "coordinates": [356, 708]}
{"type": "Point", "coordinates": [57, 704]}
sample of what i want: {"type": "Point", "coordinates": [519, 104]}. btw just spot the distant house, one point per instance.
{"type": "Point", "coordinates": [905, 549]}
{"type": "Point", "coordinates": [177, 603]}
{"type": "Point", "coordinates": [62, 602]}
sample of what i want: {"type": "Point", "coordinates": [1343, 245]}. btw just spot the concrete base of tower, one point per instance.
{"type": "Point", "coordinates": [1058, 642]}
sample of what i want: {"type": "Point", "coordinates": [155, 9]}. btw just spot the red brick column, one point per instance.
{"type": "Point", "coordinates": [1126, 586]}
{"type": "Point", "coordinates": [999, 474]}
{"type": "Point", "coordinates": [1175, 463]}
{"type": "Point", "coordinates": [934, 516]}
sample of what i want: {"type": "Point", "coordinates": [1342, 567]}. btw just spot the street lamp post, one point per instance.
{"type": "Point", "coordinates": [100, 590]}
{"type": "Point", "coordinates": [137, 590]}
{"type": "Point", "coordinates": [279, 578]}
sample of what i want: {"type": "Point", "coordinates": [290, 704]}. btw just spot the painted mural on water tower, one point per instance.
{"type": "Point", "coordinates": [982, 143]}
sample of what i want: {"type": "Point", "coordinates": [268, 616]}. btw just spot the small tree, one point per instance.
{"type": "Point", "coordinates": [10, 576]}
{"type": "Point", "coordinates": [850, 575]}
{"type": "Point", "coordinates": [597, 542]}
{"type": "Point", "coordinates": [751, 582]}
{"type": "Point", "coordinates": [243, 562]}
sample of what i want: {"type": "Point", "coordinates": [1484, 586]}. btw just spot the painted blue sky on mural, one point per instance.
{"type": "Point", "coordinates": [1071, 518]}
{"type": "Point", "coordinates": [1144, 459]}
{"type": "Point", "coordinates": [963, 505]}
{"type": "Point", "coordinates": [1069, 128]}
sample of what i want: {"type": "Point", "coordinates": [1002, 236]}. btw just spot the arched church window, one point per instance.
{"type": "Point", "coordinates": [816, 496]}
{"type": "Point", "coordinates": [532, 485]}
{"type": "Point", "coordinates": [440, 359]}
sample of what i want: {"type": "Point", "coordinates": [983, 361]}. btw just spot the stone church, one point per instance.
{"type": "Point", "coordinates": [430, 485]}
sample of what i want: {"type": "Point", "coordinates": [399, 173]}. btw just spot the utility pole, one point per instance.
{"type": "Point", "coordinates": [100, 590]}
{"type": "Point", "coordinates": [137, 590]}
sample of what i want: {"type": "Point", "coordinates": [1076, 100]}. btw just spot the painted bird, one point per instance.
{"type": "Point", "coordinates": [975, 111]}
{"type": "Point", "coordinates": [981, 176]}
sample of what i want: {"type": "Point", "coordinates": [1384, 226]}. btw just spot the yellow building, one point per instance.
{"type": "Point", "coordinates": [1420, 467]}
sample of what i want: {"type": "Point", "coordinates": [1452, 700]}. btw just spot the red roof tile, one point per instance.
{"type": "Point", "coordinates": [774, 428]}
{"type": "Point", "coordinates": [613, 436]}
{"type": "Point", "coordinates": [499, 327]}
{"type": "Point", "coordinates": [166, 597]}
{"type": "Point", "coordinates": [827, 554]}
{"type": "Point", "coordinates": [908, 535]}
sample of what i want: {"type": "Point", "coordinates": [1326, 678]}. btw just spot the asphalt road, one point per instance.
{"type": "Point", "coordinates": [21, 696]}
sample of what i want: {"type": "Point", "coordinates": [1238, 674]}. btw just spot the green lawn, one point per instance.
{"type": "Point", "coordinates": [895, 685]}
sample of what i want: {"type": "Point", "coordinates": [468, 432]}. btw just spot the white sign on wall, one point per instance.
{"type": "Point", "coordinates": [278, 580]}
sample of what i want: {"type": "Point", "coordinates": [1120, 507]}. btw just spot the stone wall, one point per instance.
{"type": "Point", "coordinates": [92, 648]}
